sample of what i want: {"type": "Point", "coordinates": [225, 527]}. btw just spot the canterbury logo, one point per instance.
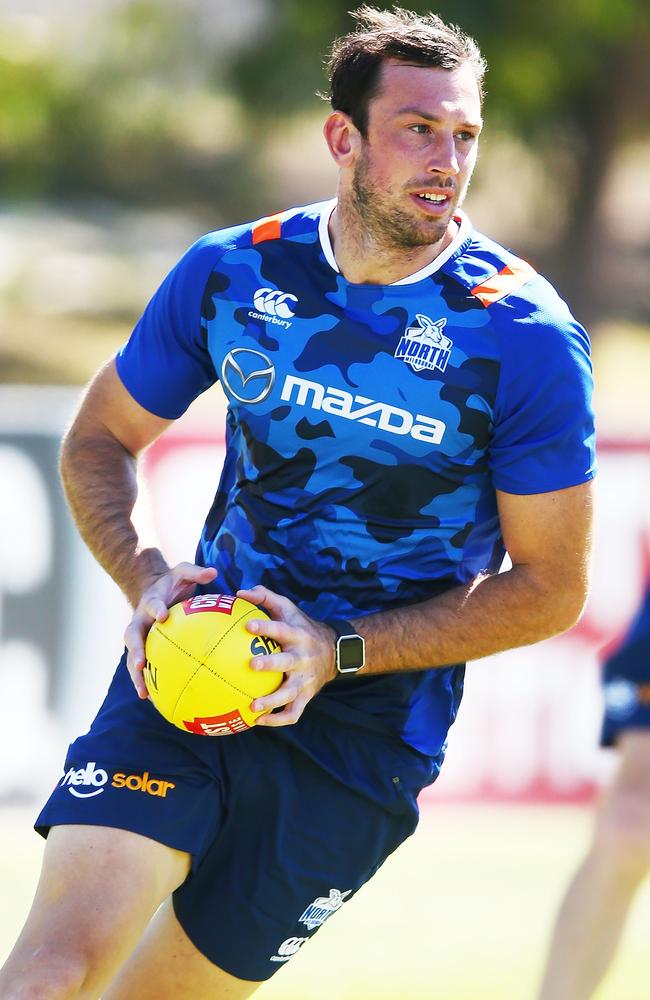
{"type": "Point", "coordinates": [274, 306]}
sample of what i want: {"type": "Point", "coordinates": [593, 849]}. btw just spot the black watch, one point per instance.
{"type": "Point", "coordinates": [350, 647]}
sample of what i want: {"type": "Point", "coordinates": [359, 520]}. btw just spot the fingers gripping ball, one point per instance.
{"type": "Point", "coordinates": [198, 672]}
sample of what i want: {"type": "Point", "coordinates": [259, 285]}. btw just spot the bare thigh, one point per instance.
{"type": "Point", "coordinates": [631, 780]}
{"type": "Point", "coordinates": [98, 889]}
{"type": "Point", "coordinates": [166, 965]}
{"type": "Point", "coordinates": [625, 806]}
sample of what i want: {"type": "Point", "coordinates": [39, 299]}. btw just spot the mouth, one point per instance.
{"type": "Point", "coordinates": [433, 202]}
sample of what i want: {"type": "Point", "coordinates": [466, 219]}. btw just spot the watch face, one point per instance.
{"type": "Point", "coordinates": [351, 652]}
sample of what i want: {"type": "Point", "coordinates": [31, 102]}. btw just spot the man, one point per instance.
{"type": "Point", "coordinates": [405, 397]}
{"type": "Point", "coordinates": [592, 916]}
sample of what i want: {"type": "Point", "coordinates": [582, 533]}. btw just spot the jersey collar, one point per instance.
{"type": "Point", "coordinates": [464, 230]}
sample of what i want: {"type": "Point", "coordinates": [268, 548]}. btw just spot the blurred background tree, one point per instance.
{"type": "Point", "coordinates": [132, 107]}
{"type": "Point", "coordinates": [207, 109]}
{"type": "Point", "coordinates": [572, 80]}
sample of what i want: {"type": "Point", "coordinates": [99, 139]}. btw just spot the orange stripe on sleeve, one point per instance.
{"type": "Point", "coordinates": [267, 229]}
{"type": "Point", "coordinates": [508, 280]}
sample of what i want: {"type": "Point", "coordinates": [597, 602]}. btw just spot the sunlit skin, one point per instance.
{"type": "Point", "coordinates": [422, 138]}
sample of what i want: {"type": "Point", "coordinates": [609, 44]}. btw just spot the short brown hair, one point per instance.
{"type": "Point", "coordinates": [355, 59]}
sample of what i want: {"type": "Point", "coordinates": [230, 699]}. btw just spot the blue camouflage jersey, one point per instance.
{"type": "Point", "coordinates": [368, 426]}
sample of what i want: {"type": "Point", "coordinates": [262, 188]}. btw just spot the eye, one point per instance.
{"type": "Point", "coordinates": [466, 136]}
{"type": "Point", "coordinates": [420, 128]}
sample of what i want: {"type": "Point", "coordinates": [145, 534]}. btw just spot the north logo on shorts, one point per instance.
{"type": "Point", "coordinates": [425, 345]}
{"type": "Point", "coordinates": [84, 782]}
{"type": "Point", "coordinates": [322, 908]}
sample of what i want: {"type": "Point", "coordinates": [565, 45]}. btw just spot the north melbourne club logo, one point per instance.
{"type": "Point", "coordinates": [322, 908]}
{"type": "Point", "coordinates": [274, 306]}
{"type": "Point", "coordinates": [425, 346]}
{"type": "Point", "coordinates": [316, 914]}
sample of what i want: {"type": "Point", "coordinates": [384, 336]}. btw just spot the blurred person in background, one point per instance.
{"type": "Point", "coordinates": [407, 401]}
{"type": "Point", "coordinates": [591, 919]}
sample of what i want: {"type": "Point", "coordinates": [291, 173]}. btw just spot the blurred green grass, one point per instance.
{"type": "Point", "coordinates": [461, 912]}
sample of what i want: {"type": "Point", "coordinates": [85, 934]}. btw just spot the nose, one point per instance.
{"type": "Point", "coordinates": [443, 158]}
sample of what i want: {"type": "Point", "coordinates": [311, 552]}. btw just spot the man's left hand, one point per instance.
{"type": "Point", "coordinates": [307, 657]}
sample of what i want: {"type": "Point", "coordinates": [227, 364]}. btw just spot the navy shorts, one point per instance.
{"type": "Point", "coordinates": [626, 681]}
{"type": "Point", "coordinates": [283, 825]}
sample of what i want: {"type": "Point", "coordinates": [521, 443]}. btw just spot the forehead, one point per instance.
{"type": "Point", "coordinates": [438, 92]}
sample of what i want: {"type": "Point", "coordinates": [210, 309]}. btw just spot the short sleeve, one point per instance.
{"type": "Point", "coordinates": [165, 364]}
{"type": "Point", "coordinates": [544, 435]}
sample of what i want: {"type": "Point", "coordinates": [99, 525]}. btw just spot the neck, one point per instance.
{"type": "Point", "coordinates": [364, 258]}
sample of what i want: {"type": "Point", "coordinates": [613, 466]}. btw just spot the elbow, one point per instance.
{"type": "Point", "coordinates": [572, 613]}
{"type": "Point", "coordinates": [567, 607]}
{"type": "Point", "coordinates": [558, 598]}
{"type": "Point", "coordinates": [66, 456]}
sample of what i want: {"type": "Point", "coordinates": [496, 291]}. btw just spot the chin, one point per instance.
{"type": "Point", "coordinates": [433, 233]}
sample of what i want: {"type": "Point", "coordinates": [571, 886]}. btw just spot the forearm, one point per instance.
{"type": "Point", "coordinates": [99, 479]}
{"type": "Point", "coordinates": [492, 614]}
{"type": "Point", "coordinates": [548, 538]}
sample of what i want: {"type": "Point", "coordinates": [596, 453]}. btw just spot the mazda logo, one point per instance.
{"type": "Point", "coordinates": [247, 375]}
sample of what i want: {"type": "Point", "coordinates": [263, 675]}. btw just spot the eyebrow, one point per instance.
{"type": "Point", "coordinates": [433, 118]}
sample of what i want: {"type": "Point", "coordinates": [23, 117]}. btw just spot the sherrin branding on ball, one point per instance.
{"type": "Point", "coordinates": [198, 672]}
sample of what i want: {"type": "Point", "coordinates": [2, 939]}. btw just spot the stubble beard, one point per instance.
{"type": "Point", "coordinates": [389, 226]}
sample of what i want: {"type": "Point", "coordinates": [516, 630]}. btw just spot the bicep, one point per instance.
{"type": "Point", "coordinates": [109, 410]}
{"type": "Point", "coordinates": [549, 532]}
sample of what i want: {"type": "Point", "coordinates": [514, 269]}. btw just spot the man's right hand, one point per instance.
{"type": "Point", "coordinates": [177, 584]}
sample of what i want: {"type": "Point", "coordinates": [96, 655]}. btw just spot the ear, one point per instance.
{"type": "Point", "coordinates": [343, 138]}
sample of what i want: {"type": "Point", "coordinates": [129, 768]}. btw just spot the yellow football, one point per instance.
{"type": "Point", "coordinates": [198, 671]}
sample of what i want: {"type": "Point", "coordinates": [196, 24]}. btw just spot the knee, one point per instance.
{"type": "Point", "coordinates": [43, 975]}
{"type": "Point", "coordinates": [622, 836]}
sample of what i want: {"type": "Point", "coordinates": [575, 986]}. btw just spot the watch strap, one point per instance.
{"type": "Point", "coordinates": [341, 627]}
